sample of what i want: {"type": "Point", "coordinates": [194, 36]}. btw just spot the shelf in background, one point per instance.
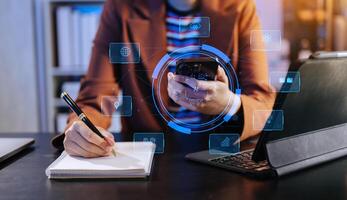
{"type": "Point", "coordinates": [64, 72]}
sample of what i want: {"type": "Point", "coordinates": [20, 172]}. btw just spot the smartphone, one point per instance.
{"type": "Point", "coordinates": [198, 68]}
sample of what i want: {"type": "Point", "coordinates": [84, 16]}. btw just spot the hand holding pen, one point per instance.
{"type": "Point", "coordinates": [82, 138]}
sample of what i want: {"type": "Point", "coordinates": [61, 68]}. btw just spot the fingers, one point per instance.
{"type": "Point", "coordinates": [108, 136]}
{"type": "Point", "coordinates": [202, 85]}
{"type": "Point", "coordinates": [74, 149]}
{"type": "Point", "coordinates": [180, 100]}
{"type": "Point", "coordinates": [180, 90]}
{"type": "Point", "coordinates": [192, 82]}
{"type": "Point", "coordinates": [110, 142]}
{"type": "Point", "coordinates": [207, 94]}
{"type": "Point", "coordinates": [89, 135]}
{"type": "Point", "coordinates": [211, 97]}
{"type": "Point", "coordinates": [183, 95]}
{"type": "Point", "coordinates": [196, 85]}
{"type": "Point", "coordinates": [90, 147]}
{"type": "Point", "coordinates": [81, 141]}
{"type": "Point", "coordinates": [173, 86]}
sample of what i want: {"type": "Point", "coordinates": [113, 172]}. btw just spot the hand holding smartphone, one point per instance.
{"type": "Point", "coordinates": [200, 85]}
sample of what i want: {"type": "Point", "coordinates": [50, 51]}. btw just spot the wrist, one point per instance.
{"type": "Point", "coordinates": [233, 105]}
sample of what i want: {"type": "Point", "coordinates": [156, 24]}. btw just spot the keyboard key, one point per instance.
{"type": "Point", "coordinates": [242, 160]}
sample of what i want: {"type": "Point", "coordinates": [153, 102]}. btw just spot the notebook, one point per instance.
{"type": "Point", "coordinates": [132, 160]}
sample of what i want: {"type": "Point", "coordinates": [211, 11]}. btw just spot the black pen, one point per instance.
{"type": "Point", "coordinates": [83, 117]}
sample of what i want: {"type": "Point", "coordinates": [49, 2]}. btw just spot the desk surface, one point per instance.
{"type": "Point", "coordinates": [173, 177]}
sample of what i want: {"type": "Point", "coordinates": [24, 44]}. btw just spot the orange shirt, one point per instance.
{"type": "Point", "coordinates": [143, 22]}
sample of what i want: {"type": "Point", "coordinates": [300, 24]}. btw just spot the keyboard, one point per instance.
{"type": "Point", "coordinates": [243, 161]}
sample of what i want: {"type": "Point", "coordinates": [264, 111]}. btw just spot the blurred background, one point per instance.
{"type": "Point", "coordinates": [45, 47]}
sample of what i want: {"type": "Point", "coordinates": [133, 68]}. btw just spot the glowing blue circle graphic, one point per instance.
{"type": "Point", "coordinates": [162, 66]}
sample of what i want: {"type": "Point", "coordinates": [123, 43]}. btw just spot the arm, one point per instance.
{"type": "Point", "coordinates": [100, 79]}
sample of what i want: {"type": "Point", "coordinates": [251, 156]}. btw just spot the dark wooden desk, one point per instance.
{"type": "Point", "coordinates": [23, 177]}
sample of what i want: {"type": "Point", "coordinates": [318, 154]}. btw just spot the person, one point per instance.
{"type": "Point", "coordinates": [153, 24]}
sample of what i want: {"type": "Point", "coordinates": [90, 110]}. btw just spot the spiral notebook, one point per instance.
{"type": "Point", "coordinates": [132, 160]}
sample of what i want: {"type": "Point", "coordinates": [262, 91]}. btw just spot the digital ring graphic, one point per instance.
{"type": "Point", "coordinates": [214, 121]}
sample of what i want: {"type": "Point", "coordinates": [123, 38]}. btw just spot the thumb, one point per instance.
{"type": "Point", "coordinates": [221, 76]}
{"type": "Point", "coordinates": [110, 140]}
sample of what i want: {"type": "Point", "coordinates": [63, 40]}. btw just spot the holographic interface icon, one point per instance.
{"type": "Point", "coordinates": [156, 138]}
{"type": "Point", "coordinates": [116, 106]}
{"type": "Point", "coordinates": [286, 82]}
{"type": "Point", "coordinates": [274, 122]}
{"type": "Point", "coordinates": [224, 143]}
{"type": "Point", "coordinates": [197, 26]}
{"type": "Point", "coordinates": [122, 53]}
{"type": "Point", "coordinates": [266, 40]}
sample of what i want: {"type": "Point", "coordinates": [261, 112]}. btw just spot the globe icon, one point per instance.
{"type": "Point", "coordinates": [125, 51]}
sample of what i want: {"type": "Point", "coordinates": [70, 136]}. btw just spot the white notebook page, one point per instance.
{"type": "Point", "coordinates": [132, 157]}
